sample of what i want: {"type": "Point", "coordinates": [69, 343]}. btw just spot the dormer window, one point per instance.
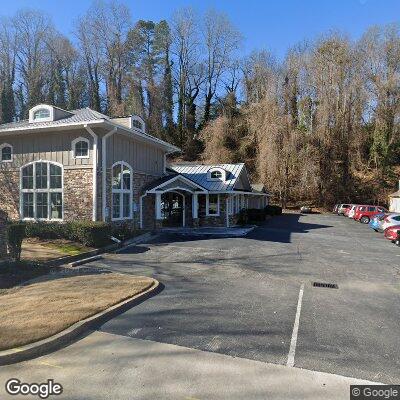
{"type": "Point", "coordinates": [216, 174]}
{"type": "Point", "coordinates": [138, 123]}
{"type": "Point", "coordinates": [41, 113]}
{"type": "Point", "coordinates": [80, 148]}
{"type": "Point", "coordinates": [6, 153]}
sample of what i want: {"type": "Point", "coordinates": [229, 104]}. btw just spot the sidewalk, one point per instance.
{"type": "Point", "coordinates": [104, 366]}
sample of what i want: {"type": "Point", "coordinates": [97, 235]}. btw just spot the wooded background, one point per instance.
{"type": "Point", "coordinates": [319, 127]}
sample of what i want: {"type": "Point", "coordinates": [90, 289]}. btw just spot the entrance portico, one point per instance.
{"type": "Point", "coordinates": [176, 202]}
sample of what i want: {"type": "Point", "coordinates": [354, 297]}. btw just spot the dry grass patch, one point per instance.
{"type": "Point", "coordinates": [42, 309]}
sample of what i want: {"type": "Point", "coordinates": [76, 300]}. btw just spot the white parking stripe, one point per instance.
{"type": "Point", "coordinates": [293, 342]}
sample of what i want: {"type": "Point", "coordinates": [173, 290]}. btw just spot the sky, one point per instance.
{"type": "Point", "coordinates": [273, 25]}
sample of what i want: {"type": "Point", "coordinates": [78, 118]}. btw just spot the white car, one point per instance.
{"type": "Point", "coordinates": [390, 220]}
{"type": "Point", "coordinates": [352, 211]}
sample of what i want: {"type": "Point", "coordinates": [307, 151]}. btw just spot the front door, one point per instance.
{"type": "Point", "coordinates": [172, 209]}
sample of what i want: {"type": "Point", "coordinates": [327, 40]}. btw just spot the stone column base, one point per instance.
{"type": "Point", "coordinates": [158, 223]}
{"type": "Point", "coordinates": [196, 223]}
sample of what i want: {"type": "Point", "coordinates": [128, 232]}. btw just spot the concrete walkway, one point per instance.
{"type": "Point", "coordinates": [107, 366]}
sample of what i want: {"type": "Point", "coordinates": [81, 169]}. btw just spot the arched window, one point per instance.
{"type": "Point", "coordinates": [80, 148]}
{"type": "Point", "coordinates": [216, 174]}
{"type": "Point", "coordinates": [42, 191]}
{"type": "Point", "coordinates": [6, 153]}
{"type": "Point", "coordinates": [42, 113]}
{"type": "Point", "coordinates": [121, 191]}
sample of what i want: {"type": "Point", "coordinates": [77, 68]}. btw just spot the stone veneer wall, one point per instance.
{"type": "Point", "coordinates": [78, 194]}
{"type": "Point", "coordinates": [9, 192]}
{"type": "Point", "coordinates": [217, 221]}
{"type": "Point", "coordinates": [3, 239]}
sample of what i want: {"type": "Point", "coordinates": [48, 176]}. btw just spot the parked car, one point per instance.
{"type": "Point", "coordinates": [376, 222]}
{"type": "Point", "coordinates": [364, 213]}
{"type": "Point", "coordinates": [306, 210]}
{"type": "Point", "coordinates": [392, 235]}
{"type": "Point", "coordinates": [342, 208]}
{"type": "Point", "coordinates": [352, 211]}
{"type": "Point", "coordinates": [335, 209]}
{"type": "Point", "coordinates": [391, 219]}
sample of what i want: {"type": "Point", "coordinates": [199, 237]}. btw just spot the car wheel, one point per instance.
{"type": "Point", "coordinates": [376, 230]}
{"type": "Point", "coordinates": [397, 242]}
{"type": "Point", "coordinates": [364, 220]}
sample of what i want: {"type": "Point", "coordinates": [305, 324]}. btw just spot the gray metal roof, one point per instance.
{"type": "Point", "coordinates": [77, 116]}
{"type": "Point", "coordinates": [198, 174]}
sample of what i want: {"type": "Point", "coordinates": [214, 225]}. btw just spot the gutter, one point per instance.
{"type": "Point", "coordinates": [104, 169]}
{"type": "Point", "coordinates": [95, 162]}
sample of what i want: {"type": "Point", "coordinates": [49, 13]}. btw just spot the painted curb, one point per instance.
{"type": "Point", "coordinates": [138, 240]}
{"type": "Point", "coordinates": [85, 261]}
{"type": "Point", "coordinates": [75, 331]}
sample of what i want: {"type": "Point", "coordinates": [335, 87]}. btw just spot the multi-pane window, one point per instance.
{"type": "Point", "coordinates": [6, 153]}
{"type": "Point", "coordinates": [213, 204]}
{"type": "Point", "coordinates": [42, 191]}
{"type": "Point", "coordinates": [41, 114]}
{"type": "Point", "coordinates": [81, 149]}
{"type": "Point", "coordinates": [121, 191]}
{"type": "Point", "coordinates": [216, 175]}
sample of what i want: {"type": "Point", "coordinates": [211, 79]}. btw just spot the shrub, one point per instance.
{"type": "Point", "coordinates": [273, 210]}
{"type": "Point", "coordinates": [15, 236]}
{"type": "Point", "coordinates": [122, 231]}
{"type": "Point", "coordinates": [92, 234]}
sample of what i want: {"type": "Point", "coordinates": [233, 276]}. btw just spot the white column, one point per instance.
{"type": "Point", "coordinates": [227, 211]}
{"type": "Point", "coordinates": [195, 205]}
{"type": "Point", "coordinates": [158, 205]}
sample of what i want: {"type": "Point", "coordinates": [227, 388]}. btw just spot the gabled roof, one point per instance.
{"type": "Point", "coordinates": [81, 117]}
{"type": "Point", "coordinates": [198, 174]}
{"type": "Point", "coordinates": [77, 116]}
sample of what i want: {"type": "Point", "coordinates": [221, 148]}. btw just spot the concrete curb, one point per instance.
{"type": "Point", "coordinates": [135, 241]}
{"type": "Point", "coordinates": [85, 261]}
{"type": "Point", "coordinates": [75, 331]}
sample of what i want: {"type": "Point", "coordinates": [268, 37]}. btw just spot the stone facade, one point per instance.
{"type": "Point", "coordinates": [3, 239]}
{"type": "Point", "coordinates": [9, 192]}
{"type": "Point", "coordinates": [78, 194]}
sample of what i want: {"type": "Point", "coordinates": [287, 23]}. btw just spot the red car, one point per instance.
{"type": "Point", "coordinates": [366, 212]}
{"type": "Point", "coordinates": [391, 233]}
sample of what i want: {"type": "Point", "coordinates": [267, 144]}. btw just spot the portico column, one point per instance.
{"type": "Point", "coordinates": [195, 210]}
{"type": "Point", "coordinates": [195, 205]}
{"type": "Point", "coordinates": [158, 222]}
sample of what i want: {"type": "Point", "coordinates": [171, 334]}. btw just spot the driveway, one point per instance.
{"type": "Point", "coordinates": [239, 296]}
{"type": "Point", "coordinates": [240, 310]}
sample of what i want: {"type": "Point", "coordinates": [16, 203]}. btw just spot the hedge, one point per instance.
{"type": "Point", "coordinates": [16, 232]}
{"type": "Point", "coordinates": [92, 234]}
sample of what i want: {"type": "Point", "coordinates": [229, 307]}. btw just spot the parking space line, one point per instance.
{"type": "Point", "coordinates": [293, 342]}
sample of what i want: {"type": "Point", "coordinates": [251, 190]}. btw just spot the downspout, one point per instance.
{"type": "Point", "coordinates": [95, 161]}
{"type": "Point", "coordinates": [104, 169]}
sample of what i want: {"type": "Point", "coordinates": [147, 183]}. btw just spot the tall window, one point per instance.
{"type": "Point", "coordinates": [213, 204]}
{"type": "Point", "coordinates": [6, 153]}
{"type": "Point", "coordinates": [121, 191]}
{"type": "Point", "coordinates": [41, 114]}
{"type": "Point", "coordinates": [42, 191]}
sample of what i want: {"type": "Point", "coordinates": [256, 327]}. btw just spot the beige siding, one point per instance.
{"type": "Point", "coordinates": [47, 146]}
{"type": "Point", "coordinates": [142, 157]}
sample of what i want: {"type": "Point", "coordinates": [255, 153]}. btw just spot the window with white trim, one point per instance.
{"type": "Point", "coordinates": [213, 204]}
{"type": "Point", "coordinates": [80, 148]}
{"type": "Point", "coordinates": [6, 153]}
{"type": "Point", "coordinates": [42, 113]}
{"type": "Point", "coordinates": [216, 174]}
{"type": "Point", "coordinates": [121, 191]}
{"type": "Point", "coordinates": [42, 191]}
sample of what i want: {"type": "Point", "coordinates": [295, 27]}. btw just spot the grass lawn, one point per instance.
{"type": "Point", "coordinates": [44, 250]}
{"type": "Point", "coordinates": [39, 310]}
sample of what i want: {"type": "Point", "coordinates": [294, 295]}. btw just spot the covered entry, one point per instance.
{"type": "Point", "coordinates": [175, 201]}
{"type": "Point", "coordinates": [173, 209]}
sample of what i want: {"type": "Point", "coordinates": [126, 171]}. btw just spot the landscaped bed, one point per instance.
{"type": "Point", "coordinates": [41, 309]}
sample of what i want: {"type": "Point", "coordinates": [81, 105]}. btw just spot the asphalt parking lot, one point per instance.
{"type": "Point", "coordinates": [240, 296]}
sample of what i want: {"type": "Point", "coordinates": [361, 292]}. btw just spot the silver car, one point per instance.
{"type": "Point", "coordinates": [390, 220]}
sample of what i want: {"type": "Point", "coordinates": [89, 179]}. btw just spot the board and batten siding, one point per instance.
{"type": "Point", "coordinates": [56, 147]}
{"type": "Point", "coordinates": [142, 157]}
